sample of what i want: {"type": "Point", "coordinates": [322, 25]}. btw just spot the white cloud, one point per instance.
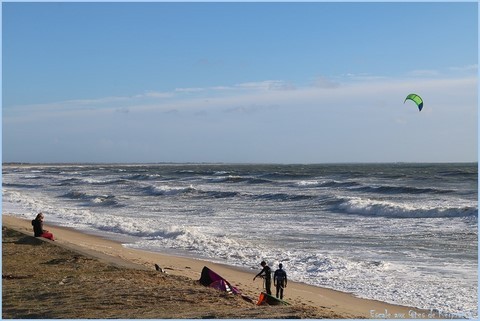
{"type": "Point", "coordinates": [473, 68]}
{"type": "Point", "coordinates": [267, 85]}
{"type": "Point", "coordinates": [189, 90]}
{"type": "Point", "coordinates": [448, 72]}
{"type": "Point", "coordinates": [324, 82]}
{"type": "Point", "coordinates": [95, 101]}
{"type": "Point", "coordinates": [221, 88]}
{"type": "Point", "coordinates": [362, 77]}
{"type": "Point", "coordinates": [154, 94]}
{"type": "Point", "coordinates": [424, 73]}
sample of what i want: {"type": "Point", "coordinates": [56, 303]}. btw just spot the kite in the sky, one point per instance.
{"type": "Point", "coordinates": [416, 99]}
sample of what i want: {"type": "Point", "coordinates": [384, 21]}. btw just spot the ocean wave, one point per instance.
{"type": "Point", "coordinates": [141, 177]}
{"type": "Point", "coordinates": [283, 197]}
{"type": "Point", "coordinates": [227, 179]}
{"type": "Point", "coordinates": [165, 190]}
{"type": "Point", "coordinates": [335, 183]}
{"type": "Point", "coordinates": [239, 179]}
{"type": "Point", "coordinates": [194, 240]}
{"type": "Point", "coordinates": [256, 180]}
{"type": "Point", "coordinates": [92, 200]}
{"type": "Point", "coordinates": [75, 195]}
{"type": "Point", "coordinates": [68, 181]}
{"type": "Point", "coordinates": [132, 229]}
{"type": "Point", "coordinates": [157, 235]}
{"type": "Point", "coordinates": [308, 183]}
{"type": "Point", "coordinates": [107, 200]}
{"type": "Point", "coordinates": [401, 190]}
{"type": "Point", "coordinates": [368, 207]}
{"type": "Point", "coordinates": [30, 176]}
{"type": "Point", "coordinates": [218, 194]}
{"type": "Point", "coordinates": [285, 175]}
{"type": "Point", "coordinates": [459, 173]}
{"type": "Point", "coordinates": [187, 172]}
{"type": "Point", "coordinates": [87, 181]}
{"type": "Point", "coordinates": [93, 181]}
{"type": "Point", "coordinates": [326, 183]}
{"type": "Point", "coordinates": [20, 185]}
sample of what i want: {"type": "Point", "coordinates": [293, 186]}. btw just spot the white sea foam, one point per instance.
{"type": "Point", "coordinates": [167, 190]}
{"type": "Point", "coordinates": [308, 183]}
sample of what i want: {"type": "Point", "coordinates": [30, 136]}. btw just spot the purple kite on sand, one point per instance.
{"type": "Point", "coordinates": [213, 280]}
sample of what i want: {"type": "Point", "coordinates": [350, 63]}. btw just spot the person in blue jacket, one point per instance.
{"type": "Point", "coordinates": [280, 280]}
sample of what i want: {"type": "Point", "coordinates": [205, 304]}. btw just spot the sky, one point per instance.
{"type": "Point", "coordinates": [313, 82]}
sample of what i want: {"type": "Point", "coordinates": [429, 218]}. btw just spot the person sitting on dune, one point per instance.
{"type": "Point", "coordinates": [38, 228]}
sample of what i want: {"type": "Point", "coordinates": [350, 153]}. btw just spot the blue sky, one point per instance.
{"type": "Point", "coordinates": [239, 82]}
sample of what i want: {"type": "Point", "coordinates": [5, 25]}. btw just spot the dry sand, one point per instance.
{"type": "Point", "coordinates": [92, 277]}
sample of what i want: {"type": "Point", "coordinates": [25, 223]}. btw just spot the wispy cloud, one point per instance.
{"type": "Point", "coordinates": [189, 90]}
{"type": "Point", "coordinates": [468, 68]}
{"type": "Point", "coordinates": [246, 97]}
{"type": "Point", "coordinates": [154, 94]}
{"type": "Point", "coordinates": [362, 77]}
{"type": "Point", "coordinates": [447, 72]}
{"type": "Point", "coordinates": [424, 73]}
{"type": "Point", "coordinates": [267, 85]}
{"type": "Point", "coordinates": [324, 82]}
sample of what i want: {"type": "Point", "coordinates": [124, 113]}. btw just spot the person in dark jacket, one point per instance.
{"type": "Point", "coordinates": [38, 230]}
{"type": "Point", "coordinates": [266, 273]}
{"type": "Point", "coordinates": [280, 280]}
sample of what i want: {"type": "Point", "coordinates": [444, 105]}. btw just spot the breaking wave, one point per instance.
{"type": "Point", "coordinates": [92, 200]}
{"type": "Point", "coordinates": [368, 207]}
{"type": "Point", "coordinates": [166, 190]}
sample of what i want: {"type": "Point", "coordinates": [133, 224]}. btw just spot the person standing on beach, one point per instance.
{"type": "Point", "coordinates": [38, 228]}
{"type": "Point", "coordinates": [266, 274]}
{"type": "Point", "coordinates": [280, 280]}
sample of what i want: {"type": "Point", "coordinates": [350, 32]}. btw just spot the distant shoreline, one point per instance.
{"type": "Point", "coordinates": [227, 164]}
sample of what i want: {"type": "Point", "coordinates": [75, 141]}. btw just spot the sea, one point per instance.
{"type": "Point", "coordinates": [400, 233]}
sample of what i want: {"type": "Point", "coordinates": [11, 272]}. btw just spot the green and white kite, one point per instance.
{"type": "Point", "coordinates": [416, 99]}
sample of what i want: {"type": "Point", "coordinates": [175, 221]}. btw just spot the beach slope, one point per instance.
{"type": "Point", "coordinates": [86, 276]}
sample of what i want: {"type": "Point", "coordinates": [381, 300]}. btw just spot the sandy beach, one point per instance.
{"type": "Point", "coordinates": [181, 277]}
